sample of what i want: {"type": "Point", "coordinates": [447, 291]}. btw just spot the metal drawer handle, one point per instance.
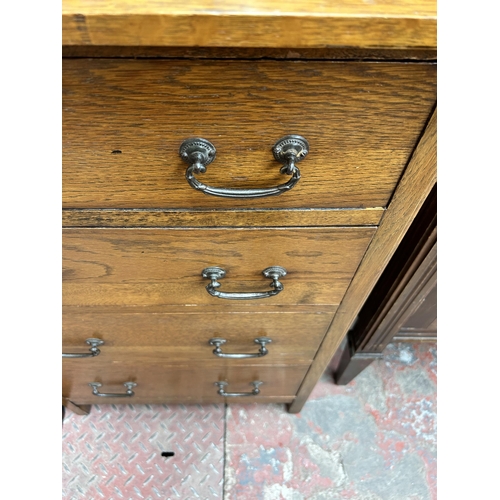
{"type": "Point", "coordinates": [198, 153]}
{"type": "Point", "coordinates": [94, 351]}
{"type": "Point", "coordinates": [215, 273]}
{"type": "Point", "coordinates": [129, 385]}
{"type": "Point", "coordinates": [217, 342]}
{"type": "Point", "coordinates": [221, 391]}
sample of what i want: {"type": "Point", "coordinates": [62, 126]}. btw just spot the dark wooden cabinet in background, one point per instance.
{"type": "Point", "coordinates": [403, 303]}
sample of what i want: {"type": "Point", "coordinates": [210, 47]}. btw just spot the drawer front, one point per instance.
{"type": "Point", "coordinates": [146, 267]}
{"type": "Point", "coordinates": [124, 120]}
{"type": "Point", "coordinates": [189, 383]}
{"type": "Point", "coordinates": [185, 335]}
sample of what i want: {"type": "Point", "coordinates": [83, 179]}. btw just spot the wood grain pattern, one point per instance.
{"type": "Point", "coordinates": [274, 8]}
{"type": "Point", "coordinates": [164, 266]}
{"type": "Point", "coordinates": [362, 121]}
{"type": "Point", "coordinates": [263, 23]}
{"type": "Point", "coordinates": [193, 383]}
{"type": "Point", "coordinates": [237, 307]}
{"type": "Point", "coordinates": [184, 335]}
{"type": "Point", "coordinates": [220, 218]}
{"type": "Point", "coordinates": [412, 191]}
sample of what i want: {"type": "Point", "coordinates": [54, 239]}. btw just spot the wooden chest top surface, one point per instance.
{"type": "Point", "coordinates": [261, 23]}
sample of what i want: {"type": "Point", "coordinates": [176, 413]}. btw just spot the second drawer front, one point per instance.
{"type": "Point", "coordinates": [184, 336]}
{"type": "Point", "coordinates": [150, 267]}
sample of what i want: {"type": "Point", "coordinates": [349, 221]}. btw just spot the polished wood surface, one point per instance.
{"type": "Point", "coordinates": [237, 307]}
{"type": "Point", "coordinates": [124, 120]}
{"type": "Point", "coordinates": [260, 23]}
{"type": "Point", "coordinates": [220, 218]}
{"type": "Point", "coordinates": [416, 184]}
{"type": "Point", "coordinates": [164, 266]}
{"type": "Point", "coordinates": [181, 336]}
{"type": "Point", "coordinates": [157, 383]}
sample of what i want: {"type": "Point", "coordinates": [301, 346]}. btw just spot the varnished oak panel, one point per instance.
{"type": "Point", "coordinates": [220, 218]}
{"type": "Point", "coordinates": [183, 336]}
{"type": "Point", "coordinates": [163, 266]}
{"type": "Point", "coordinates": [236, 308]}
{"type": "Point", "coordinates": [193, 383]}
{"type": "Point", "coordinates": [415, 186]}
{"type": "Point", "coordinates": [362, 121]}
{"type": "Point", "coordinates": [260, 23]}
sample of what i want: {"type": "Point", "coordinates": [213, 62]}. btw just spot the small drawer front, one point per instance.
{"type": "Point", "coordinates": [151, 267]}
{"type": "Point", "coordinates": [185, 335]}
{"type": "Point", "coordinates": [189, 383]}
{"type": "Point", "coordinates": [124, 122]}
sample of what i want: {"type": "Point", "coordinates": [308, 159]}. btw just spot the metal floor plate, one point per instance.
{"type": "Point", "coordinates": [116, 452]}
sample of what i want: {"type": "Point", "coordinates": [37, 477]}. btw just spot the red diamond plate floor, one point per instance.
{"type": "Point", "coordinates": [374, 439]}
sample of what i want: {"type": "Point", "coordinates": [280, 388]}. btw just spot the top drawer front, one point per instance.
{"type": "Point", "coordinates": [362, 121]}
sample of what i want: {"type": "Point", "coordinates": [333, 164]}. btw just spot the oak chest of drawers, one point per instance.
{"type": "Point", "coordinates": [227, 210]}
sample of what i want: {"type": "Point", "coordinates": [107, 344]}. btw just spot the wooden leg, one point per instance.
{"type": "Point", "coordinates": [351, 366]}
{"type": "Point", "coordinates": [347, 364]}
{"type": "Point", "coordinates": [78, 409]}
